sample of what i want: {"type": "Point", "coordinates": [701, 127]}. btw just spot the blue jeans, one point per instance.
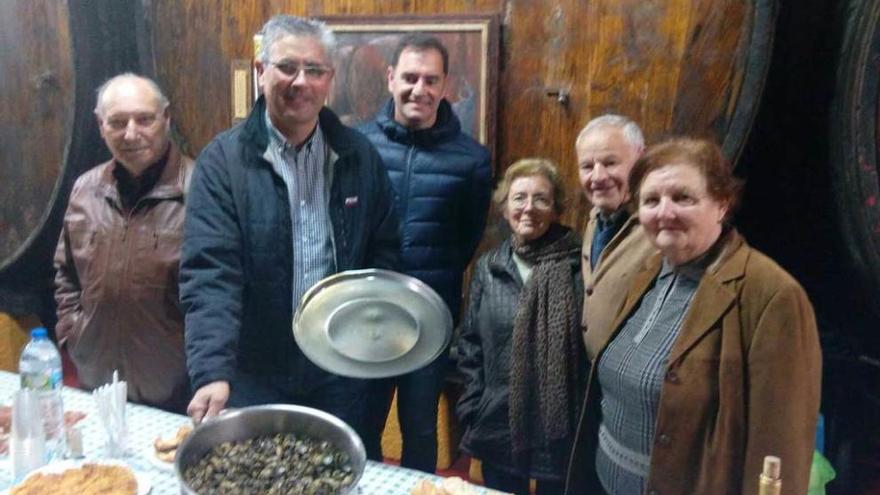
{"type": "Point", "coordinates": [342, 397]}
{"type": "Point", "coordinates": [417, 396]}
{"type": "Point", "coordinates": [504, 481]}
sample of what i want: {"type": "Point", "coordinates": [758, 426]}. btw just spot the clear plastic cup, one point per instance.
{"type": "Point", "coordinates": [27, 442]}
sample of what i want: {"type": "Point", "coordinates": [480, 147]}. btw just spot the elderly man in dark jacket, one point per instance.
{"type": "Point", "coordinates": [279, 202]}
{"type": "Point", "coordinates": [442, 186]}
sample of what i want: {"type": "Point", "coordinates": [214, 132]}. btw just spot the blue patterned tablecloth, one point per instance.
{"type": "Point", "coordinates": [146, 423]}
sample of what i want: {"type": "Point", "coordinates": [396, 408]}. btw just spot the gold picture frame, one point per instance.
{"type": "Point", "coordinates": [365, 46]}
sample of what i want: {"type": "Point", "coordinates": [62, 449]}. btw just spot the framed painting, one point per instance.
{"type": "Point", "coordinates": [365, 49]}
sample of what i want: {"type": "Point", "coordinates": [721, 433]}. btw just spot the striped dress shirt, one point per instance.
{"type": "Point", "coordinates": [307, 175]}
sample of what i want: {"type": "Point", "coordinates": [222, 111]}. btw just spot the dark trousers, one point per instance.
{"type": "Point", "coordinates": [504, 481]}
{"type": "Point", "coordinates": [342, 397]}
{"type": "Point", "coordinates": [417, 396]}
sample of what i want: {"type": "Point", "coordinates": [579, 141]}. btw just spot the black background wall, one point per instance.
{"type": "Point", "coordinates": [789, 211]}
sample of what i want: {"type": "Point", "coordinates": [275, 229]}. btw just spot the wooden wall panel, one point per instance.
{"type": "Point", "coordinates": [677, 66]}
{"type": "Point", "coordinates": [666, 64]}
{"type": "Point", "coordinates": [193, 43]}
{"type": "Point", "coordinates": [36, 106]}
{"type": "Point", "coordinates": [53, 56]}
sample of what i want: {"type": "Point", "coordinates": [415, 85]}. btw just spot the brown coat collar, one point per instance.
{"type": "Point", "coordinates": [714, 296]}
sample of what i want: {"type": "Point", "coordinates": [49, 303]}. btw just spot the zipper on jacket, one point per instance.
{"type": "Point", "coordinates": [126, 224]}
{"type": "Point", "coordinates": [404, 196]}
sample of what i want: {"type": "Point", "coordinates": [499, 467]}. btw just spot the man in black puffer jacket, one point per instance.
{"type": "Point", "coordinates": [442, 182]}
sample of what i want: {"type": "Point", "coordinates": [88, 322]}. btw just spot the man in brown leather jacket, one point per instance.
{"type": "Point", "coordinates": [118, 255]}
{"type": "Point", "coordinates": [614, 244]}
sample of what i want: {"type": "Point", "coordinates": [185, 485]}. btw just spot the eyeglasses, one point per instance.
{"type": "Point", "coordinates": [313, 72]}
{"type": "Point", "coordinates": [539, 202]}
{"type": "Point", "coordinates": [142, 120]}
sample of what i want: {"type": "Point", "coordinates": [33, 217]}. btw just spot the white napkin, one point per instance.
{"type": "Point", "coordinates": [110, 400]}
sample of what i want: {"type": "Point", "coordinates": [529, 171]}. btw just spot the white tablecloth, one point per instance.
{"type": "Point", "coordinates": [146, 423]}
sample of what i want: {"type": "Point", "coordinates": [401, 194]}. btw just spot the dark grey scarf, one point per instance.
{"type": "Point", "coordinates": [546, 340]}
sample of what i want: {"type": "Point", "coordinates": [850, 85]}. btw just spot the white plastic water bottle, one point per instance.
{"type": "Point", "coordinates": [40, 370]}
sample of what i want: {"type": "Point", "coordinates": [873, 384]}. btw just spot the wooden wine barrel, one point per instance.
{"type": "Point", "coordinates": [855, 143]}
{"type": "Point", "coordinates": [36, 109]}
{"type": "Point", "coordinates": [55, 54]}
{"type": "Point", "coordinates": [677, 66]}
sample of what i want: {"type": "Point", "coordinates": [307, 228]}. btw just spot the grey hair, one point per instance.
{"type": "Point", "coordinates": [131, 76]}
{"type": "Point", "coordinates": [283, 25]}
{"type": "Point", "coordinates": [631, 131]}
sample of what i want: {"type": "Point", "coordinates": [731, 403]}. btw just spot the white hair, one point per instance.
{"type": "Point", "coordinates": [129, 76]}
{"type": "Point", "coordinates": [631, 131]}
{"type": "Point", "coordinates": [283, 25]}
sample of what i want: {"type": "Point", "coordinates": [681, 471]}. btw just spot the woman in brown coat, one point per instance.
{"type": "Point", "coordinates": [713, 361]}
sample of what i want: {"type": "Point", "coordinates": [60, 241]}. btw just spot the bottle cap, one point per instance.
{"type": "Point", "coordinates": [39, 333]}
{"type": "Point", "coordinates": [772, 467]}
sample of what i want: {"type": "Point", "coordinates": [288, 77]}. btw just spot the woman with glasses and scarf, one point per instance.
{"type": "Point", "coordinates": [520, 346]}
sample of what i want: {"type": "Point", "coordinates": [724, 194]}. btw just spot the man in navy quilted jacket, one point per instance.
{"type": "Point", "coordinates": [442, 183]}
{"type": "Point", "coordinates": [278, 202]}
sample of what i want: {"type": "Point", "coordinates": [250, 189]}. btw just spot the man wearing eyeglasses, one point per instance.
{"type": "Point", "coordinates": [280, 201]}
{"type": "Point", "coordinates": [441, 179]}
{"type": "Point", "coordinates": [117, 258]}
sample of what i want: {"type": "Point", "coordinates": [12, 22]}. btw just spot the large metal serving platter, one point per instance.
{"type": "Point", "coordinates": [372, 324]}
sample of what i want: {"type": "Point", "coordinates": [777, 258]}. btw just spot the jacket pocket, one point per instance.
{"type": "Point", "coordinates": [490, 429]}
{"type": "Point", "coordinates": [88, 247]}
{"type": "Point", "coordinates": [481, 408]}
{"type": "Point", "coordinates": [155, 263]}
{"type": "Point", "coordinates": [76, 328]}
{"type": "Point", "coordinates": [83, 340]}
{"type": "Point", "coordinates": [491, 410]}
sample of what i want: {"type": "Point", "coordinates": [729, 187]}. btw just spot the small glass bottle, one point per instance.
{"type": "Point", "coordinates": [770, 480]}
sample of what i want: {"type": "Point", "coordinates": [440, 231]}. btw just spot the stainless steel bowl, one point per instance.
{"type": "Point", "coordinates": [250, 422]}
